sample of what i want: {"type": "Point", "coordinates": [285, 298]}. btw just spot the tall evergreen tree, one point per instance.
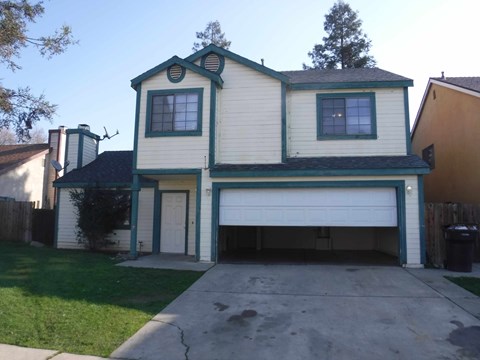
{"type": "Point", "coordinates": [212, 35]}
{"type": "Point", "coordinates": [346, 46]}
{"type": "Point", "coordinates": [19, 108]}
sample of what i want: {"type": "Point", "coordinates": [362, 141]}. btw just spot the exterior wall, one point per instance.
{"type": "Point", "coordinates": [25, 182]}
{"type": "Point", "coordinates": [302, 126]}
{"type": "Point", "coordinates": [173, 151]}
{"type": "Point", "coordinates": [67, 222]}
{"type": "Point", "coordinates": [182, 185]}
{"type": "Point", "coordinates": [73, 141]}
{"type": "Point", "coordinates": [450, 121]}
{"type": "Point", "coordinates": [57, 140]}
{"type": "Point", "coordinates": [413, 251]}
{"type": "Point", "coordinates": [90, 146]}
{"type": "Point", "coordinates": [249, 117]}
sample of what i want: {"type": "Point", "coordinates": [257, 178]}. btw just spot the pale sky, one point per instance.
{"type": "Point", "coordinates": [120, 39]}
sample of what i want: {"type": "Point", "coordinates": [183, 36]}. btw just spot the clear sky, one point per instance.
{"type": "Point", "coordinates": [120, 39]}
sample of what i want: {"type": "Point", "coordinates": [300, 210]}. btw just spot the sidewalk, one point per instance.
{"type": "Point", "coordinates": [12, 352]}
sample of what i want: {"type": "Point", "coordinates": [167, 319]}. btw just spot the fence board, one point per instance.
{"type": "Point", "coordinates": [16, 221]}
{"type": "Point", "coordinates": [438, 215]}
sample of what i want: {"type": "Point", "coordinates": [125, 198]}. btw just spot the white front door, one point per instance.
{"type": "Point", "coordinates": [173, 222]}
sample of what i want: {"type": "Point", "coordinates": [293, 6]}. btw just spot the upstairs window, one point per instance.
{"type": "Point", "coordinates": [346, 116]}
{"type": "Point", "coordinates": [174, 112]}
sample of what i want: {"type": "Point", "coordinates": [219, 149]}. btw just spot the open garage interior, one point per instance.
{"type": "Point", "coordinates": [309, 225]}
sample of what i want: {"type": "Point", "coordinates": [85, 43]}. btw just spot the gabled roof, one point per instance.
{"type": "Point", "coordinates": [469, 85]}
{"type": "Point", "coordinates": [109, 169]}
{"type": "Point", "coordinates": [12, 156]}
{"type": "Point", "coordinates": [172, 61]}
{"type": "Point", "coordinates": [331, 165]}
{"type": "Point", "coordinates": [240, 59]}
{"type": "Point", "coordinates": [345, 78]}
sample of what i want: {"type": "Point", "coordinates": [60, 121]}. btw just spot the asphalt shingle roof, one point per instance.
{"type": "Point", "coordinates": [334, 163]}
{"type": "Point", "coordinates": [342, 75]}
{"type": "Point", "coordinates": [109, 167]}
{"type": "Point", "coordinates": [15, 155]}
{"type": "Point", "coordinates": [470, 82]}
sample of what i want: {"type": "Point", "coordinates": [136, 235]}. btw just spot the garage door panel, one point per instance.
{"type": "Point", "coordinates": [309, 207]}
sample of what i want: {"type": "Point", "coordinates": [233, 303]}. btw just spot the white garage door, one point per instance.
{"type": "Point", "coordinates": [309, 207]}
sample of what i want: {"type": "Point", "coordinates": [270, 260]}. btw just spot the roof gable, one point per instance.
{"type": "Point", "coordinates": [172, 61]}
{"type": "Point", "coordinates": [12, 156]}
{"type": "Point", "coordinates": [237, 58]}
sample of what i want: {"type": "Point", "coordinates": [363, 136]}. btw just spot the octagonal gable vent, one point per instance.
{"type": "Point", "coordinates": [212, 62]}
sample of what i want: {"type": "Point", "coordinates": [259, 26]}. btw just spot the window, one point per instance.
{"type": "Point", "coordinates": [174, 112]}
{"type": "Point", "coordinates": [346, 116]}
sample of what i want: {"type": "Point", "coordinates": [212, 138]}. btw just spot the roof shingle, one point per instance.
{"type": "Point", "coordinates": [470, 82]}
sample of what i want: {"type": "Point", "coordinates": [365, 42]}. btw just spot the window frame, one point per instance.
{"type": "Point", "coordinates": [345, 96]}
{"type": "Point", "coordinates": [148, 118]}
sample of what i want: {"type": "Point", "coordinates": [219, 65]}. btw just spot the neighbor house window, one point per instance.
{"type": "Point", "coordinates": [174, 112]}
{"type": "Point", "coordinates": [346, 116]}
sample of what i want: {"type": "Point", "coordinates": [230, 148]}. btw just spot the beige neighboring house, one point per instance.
{"type": "Point", "coordinates": [446, 134]}
{"type": "Point", "coordinates": [26, 173]}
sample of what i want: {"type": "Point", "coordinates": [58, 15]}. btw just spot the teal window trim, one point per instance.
{"type": "Point", "coordinates": [399, 185]}
{"type": "Point", "coordinates": [152, 93]}
{"type": "Point", "coordinates": [137, 124]}
{"type": "Point", "coordinates": [221, 66]}
{"type": "Point", "coordinates": [373, 115]}
{"type": "Point", "coordinates": [157, 212]}
{"type": "Point", "coordinates": [57, 215]}
{"type": "Point", "coordinates": [408, 140]}
{"type": "Point", "coordinates": [421, 218]}
{"type": "Point", "coordinates": [212, 125]}
{"type": "Point", "coordinates": [180, 78]}
{"type": "Point", "coordinates": [198, 207]}
{"type": "Point", "coordinates": [80, 150]}
{"type": "Point", "coordinates": [284, 121]}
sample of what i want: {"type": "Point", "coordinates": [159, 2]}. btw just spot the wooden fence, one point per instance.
{"type": "Point", "coordinates": [16, 221]}
{"type": "Point", "coordinates": [20, 221]}
{"type": "Point", "coordinates": [437, 216]}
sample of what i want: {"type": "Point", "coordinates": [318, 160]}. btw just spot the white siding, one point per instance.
{"type": "Point", "coordinates": [72, 152]}
{"type": "Point", "coordinates": [25, 182]}
{"type": "Point", "coordinates": [249, 118]}
{"type": "Point", "coordinates": [67, 222]}
{"type": "Point", "coordinates": [191, 186]}
{"type": "Point", "coordinates": [302, 127]}
{"type": "Point", "coordinates": [411, 205]}
{"type": "Point", "coordinates": [173, 151]}
{"type": "Point", "coordinates": [89, 150]}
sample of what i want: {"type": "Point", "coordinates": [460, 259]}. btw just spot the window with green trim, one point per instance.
{"type": "Point", "coordinates": [175, 112]}
{"type": "Point", "coordinates": [346, 116]}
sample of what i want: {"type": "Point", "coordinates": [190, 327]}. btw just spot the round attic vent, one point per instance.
{"type": "Point", "coordinates": [213, 62]}
{"type": "Point", "coordinates": [175, 73]}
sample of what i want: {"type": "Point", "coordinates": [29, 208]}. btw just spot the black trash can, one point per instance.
{"type": "Point", "coordinates": [460, 240]}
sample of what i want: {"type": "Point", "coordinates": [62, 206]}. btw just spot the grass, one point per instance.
{"type": "Point", "coordinates": [78, 302]}
{"type": "Point", "coordinates": [471, 284]}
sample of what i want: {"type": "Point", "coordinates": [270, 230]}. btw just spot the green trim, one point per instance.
{"type": "Point", "coordinates": [65, 164]}
{"type": "Point", "coordinates": [284, 121]}
{"type": "Point", "coordinates": [167, 171]}
{"type": "Point", "coordinates": [373, 115]}
{"type": "Point", "coordinates": [57, 215]}
{"type": "Point", "coordinates": [81, 138]}
{"type": "Point", "coordinates": [399, 185]}
{"type": "Point", "coordinates": [137, 124]}
{"type": "Point", "coordinates": [421, 219]}
{"type": "Point", "coordinates": [157, 212]}
{"type": "Point", "coordinates": [407, 121]}
{"type": "Point", "coordinates": [351, 85]}
{"type": "Point", "coordinates": [198, 203]}
{"type": "Point", "coordinates": [240, 59]}
{"type": "Point", "coordinates": [221, 64]}
{"type": "Point", "coordinates": [182, 75]}
{"type": "Point", "coordinates": [152, 93]}
{"type": "Point", "coordinates": [212, 125]}
{"type": "Point", "coordinates": [134, 216]}
{"type": "Point", "coordinates": [172, 61]}
{"type": "Point", "coordinates": [187, 196]}
{"type": "Point", "coordinates": [84, 132]}
{"type": "Point", "coordinates": [315, 172]}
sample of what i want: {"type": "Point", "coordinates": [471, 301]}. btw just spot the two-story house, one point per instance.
{"type": "Point", "coordinates": [232, 158]}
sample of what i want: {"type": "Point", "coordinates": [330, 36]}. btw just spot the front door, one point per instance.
{"type": "Point", "coordinates": [173, 223]}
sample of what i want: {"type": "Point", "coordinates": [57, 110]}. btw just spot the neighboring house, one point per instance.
{"type": "Point", "coordinates": [25, 171]}
{"type": "Point", "coordinates": [241, 157]}
{"type": "Point", "coordinates": [446, 134]}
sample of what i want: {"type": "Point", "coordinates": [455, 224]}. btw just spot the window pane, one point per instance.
{"type": "Point", "coordinates": [352, 111]}
{"type": "Point", "coordinates": [352, 129]}
{"type": "Point", "coordinates": [352, 120]}
{"type": "Point", "coordinates": [167, 127]}
{"type": "Point", "coordinates": [339, 129]}
{"type": "Point", "coordinates": [365, 120]}
{"type": "Point", "coordinates": [172, 112]}
{"type": "Point", "coordinates": [365, 129]}
{"type": "Point", "coordinates": [181, 98]}
{"type": "Point", "coordinates": [157, 100]}
{"type": "Point", "coordinates": [364, 111]}
{"type": "Point", "coordinates": [192, 98]}
{"type": "Point", "coordinates": [328, 130]}
{"type": "Point", "coordinates": [191, 125]}
{"type": "Point", "coordinates": [327, 103]}
{"type": "Point", "coordinates": [180, 116]}
{"type": "Point", "coordinates": [157, 108]}
{"type": "Point", "coordinates": [364, 102]}
{"type": "Point", "coordinates": [180, 107]}
{"type": "Point", "coordinates": [352, 102]}
{"type": "Point", "coordinates": [192, 107]}
{"type": "Point", "coordinates": [191, 116]}
{"type": "Point", "coordinates": [339, 103]}
{"type": "Point", "coordinates": [328, 121]}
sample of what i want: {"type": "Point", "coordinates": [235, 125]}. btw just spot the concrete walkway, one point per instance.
{"type": "Point", "coordinates": [168, 261]}
{"type": "Point", "coordinates": [306, 312]}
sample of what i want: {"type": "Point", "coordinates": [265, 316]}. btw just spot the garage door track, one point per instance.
{"type": "Point", "coordinates": [313, 312]}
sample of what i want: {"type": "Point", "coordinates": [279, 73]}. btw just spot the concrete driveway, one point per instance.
{"type": "Point", "coordinates": [313, 312]}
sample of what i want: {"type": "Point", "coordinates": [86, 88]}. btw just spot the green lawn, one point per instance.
{"type": "Point", "coordinates": [471, 284]}
{"type": "Point", "coordinates": [76, 301]}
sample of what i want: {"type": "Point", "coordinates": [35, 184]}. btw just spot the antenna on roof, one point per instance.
{"type": "Point", "coordinates": [443, 75]}
{"type": "Point", "coordinates": [107, 136]}
{"type": "Point", "coordinates": [57, 166]}
{"type": "Point", "coordinates": [263, 62]}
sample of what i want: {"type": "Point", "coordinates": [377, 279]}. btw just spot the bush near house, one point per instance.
{"type": "Point", "coordinates": [78, 302]}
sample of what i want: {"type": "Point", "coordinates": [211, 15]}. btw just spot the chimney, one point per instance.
{"type": "Point", "coordinates": [82, 147]}
{"type": "Point", "coordinates": [443, 75]}
{"type": "Point", "coordinates": [56, 142]}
